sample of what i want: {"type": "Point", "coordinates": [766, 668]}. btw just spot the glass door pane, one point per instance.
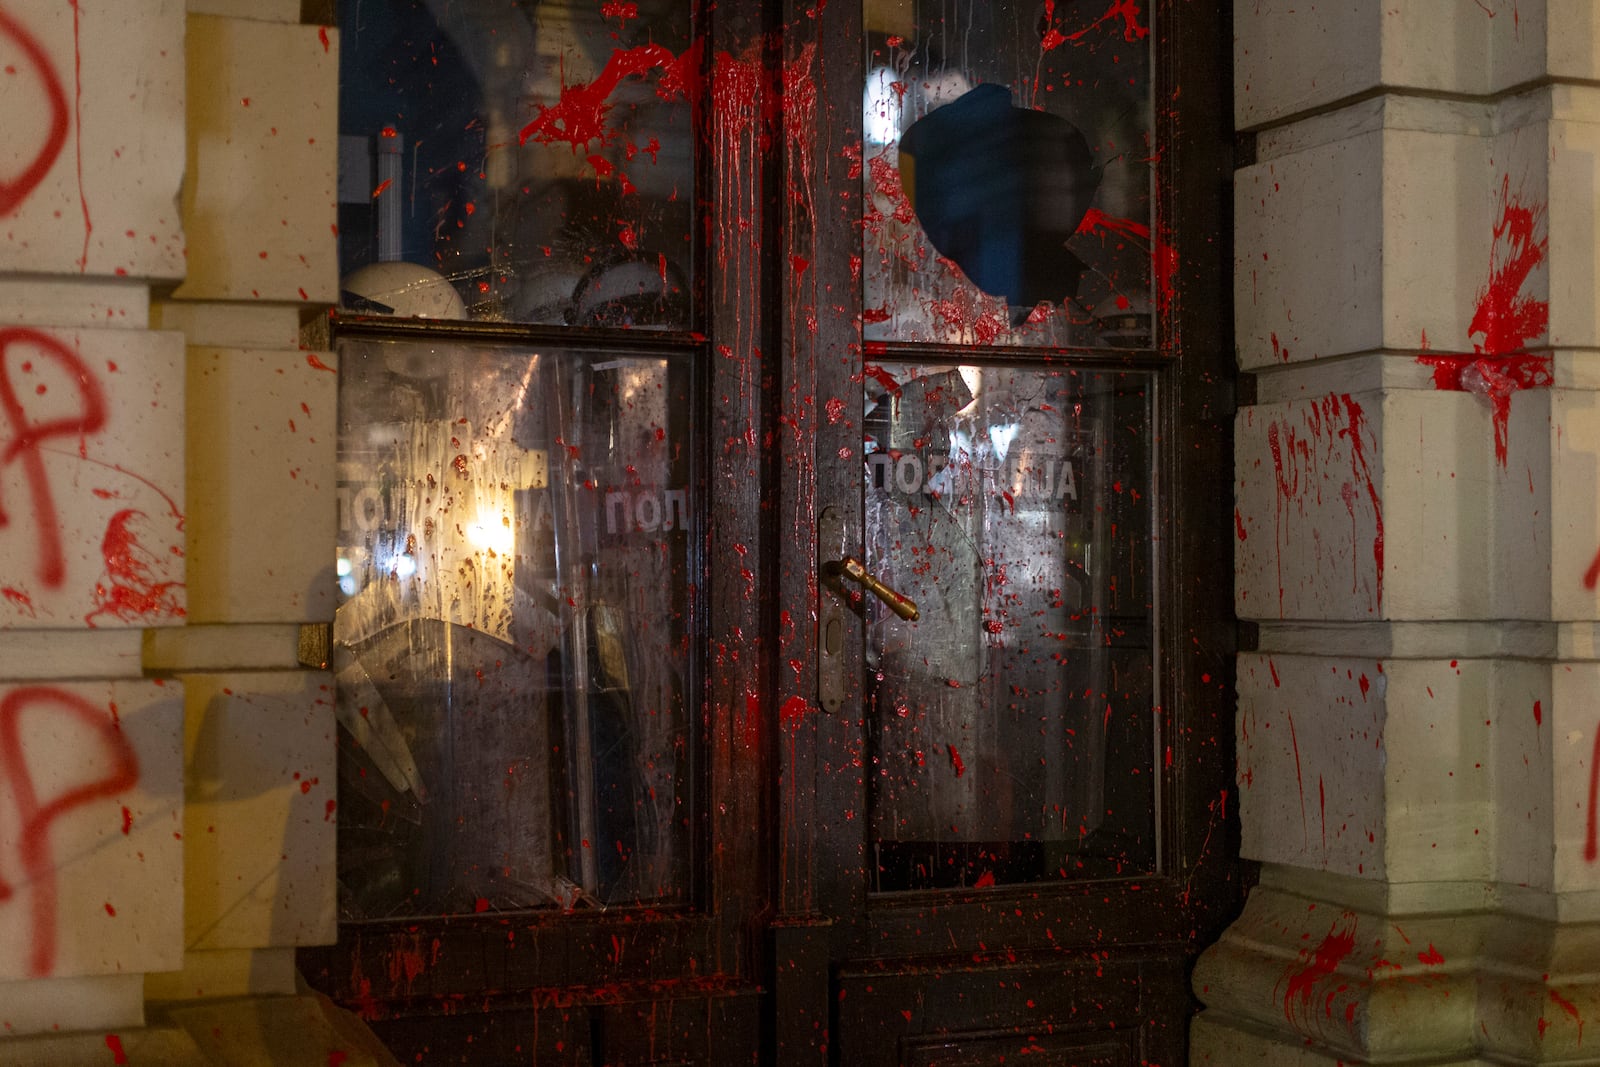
{"type": "Point", "coordinates": [1008, 163]}
{"type": "Point", "coordinates": [525, 161]}
{"type": "Point", "coordinates": [1013, 724]}
{"type": "Point", "coordinates": [512, 641]}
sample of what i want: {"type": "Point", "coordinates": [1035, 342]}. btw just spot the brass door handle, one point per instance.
{"type": "Point", "coordinates": [852, 568]}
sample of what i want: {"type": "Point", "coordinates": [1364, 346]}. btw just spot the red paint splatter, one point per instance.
{"type": "Point", "coordinates": [578, 118]}
{"type": "Point", "coordinates": [27, 436]}
{"type": "Point", "coordinates": [985, 880]}
{"type": "Point", "coordinates": [882, 377]}
{"type": "Point", "coordinates": [322, 35]}
{"type": "Point", "coordinates": [1591, 851]}
{"type": "Point", "coordinates": [1299, 781]}
{"type": "Point", "coordinates": [1325, 961]}
{"type": "Point", "coordinates": [111, 911]}
{"type": "Point", "coordinates": [130, 590]}
{"type": "Point", "coordinates": [1128, 12]}
{"type": "Point", "coordinates": [1592, 575]}
{"type": "Point", "coordinates": [1493, 377]}
{"type": "Point", "coordinates": [337, 1057]}
{"type": "Point", "coordinates": [1322, 807]}
{"type": "Point", "coordinates": [1538, 713]}
{"type": "Point", "coordinates": [1363, 473]}
{"type": "Point", "coordinates": [1238, 525]}
{"type": "Point", "coordinates": [1273, 667]}
{"type": "Point", "coordinates": [1053, 37]}
{"type": "Point", "coordinates": [77, 131]}
{"type": "Point", "coordinates": [1095, 220]}
{"type": "Point", "coordinates": [1295, 468]}
{"type": "Point", "coordinates": [19, 598]}
{"type": "Point", "coordinates": [36, 818]}
{"type": "Point", "coordinates": [316, 364]}
{"type": "Point", "coordinates": [381, 187]}
{"type": "Point", "coordinates": [1365, 686]}
{"type": "Point", "coordinates": [955, 760]}
{"type": "Point", "coordinates": [1570, 1008]}
{"type": "Point", "coordinates": [1506, 319]}
{"type": "Point", "coordinates": [794, 709]}
{"type": "Point", "coordinates": [16, 190]}
{"type": "Point", "coordinates": [1432, 958]}
{"type": "Point", "coordinates": [616, 9]}
{"type": "Point", "coordinates": [328, 809]}
{"type": "Point", "coordinates": [127, 821]}
{"type": "Point", "coordinates": [114, 1043]}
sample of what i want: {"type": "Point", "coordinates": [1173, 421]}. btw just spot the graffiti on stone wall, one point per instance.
{"type": "Point", "coordinates": [112, 768]}
{"type": "Point", "coordinates": [53, 403]}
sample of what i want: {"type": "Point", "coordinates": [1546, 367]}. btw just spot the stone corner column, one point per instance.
{"type": "Point", "coordinates": [1418, 538]}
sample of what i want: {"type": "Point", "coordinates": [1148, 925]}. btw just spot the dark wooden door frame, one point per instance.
{"type": "Point", "coordinates": [827, 934]}
{"type": "Point", "coordinates": [783, 924]}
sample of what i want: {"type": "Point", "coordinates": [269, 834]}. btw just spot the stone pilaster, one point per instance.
{"type": "Point", "coordinates": [167, 514]}
{"type": "Point", "coordinates": [1415, 303]}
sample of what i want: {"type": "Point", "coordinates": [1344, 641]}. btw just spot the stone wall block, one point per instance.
{"type": "Point", "coordinates": [1521, 706]}
{"type": "Point", "coordinates": [1570, 34]}
{"type": "Point", "coordinates": [1438, 771]}
{"type": "Point", "coordinates": [263, 491]}
{"type": "Point", "coordinates": [265, 10]}
{"type": "Point", "coordinates": [1573, 200]}
{"type": "Point", "coordinates": [1574, 725]}
{"type": "Point", "coordinates": [93, 533]}
{"type": "Point", "coordinates": [51, 1005]}
{"type": "Point", "coordinates": [1307, 253]}
{"type": "Point", "coordinates": [1324, 483]}
{"type": "Point", "coordinates": [1547, 521]}
{"type": "Point", "coordinates": [1363, 237]}
{"type": "Point", "coordinates": [91, 828]}
{"type": "Point", "coordinates": [1352, 984]}
{"type": "Point", "coordinates": [1308, 510]}
{"type": "Point", "coordinates": [93, 96]}
{"type": "Point", "coordinates": [263, 148]}
{"type": "Point", "coordinates": [1438, 233]}
{"type": "Point", "coordinates": [261, 813]}
{"type": "Point", "coordinates": [1310, 792]}
{"type": "Point", "coordinates": [1290, 57]}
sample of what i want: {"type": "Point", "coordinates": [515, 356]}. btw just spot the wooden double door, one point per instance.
{"type": "Point", "coordinates": [811, 641]}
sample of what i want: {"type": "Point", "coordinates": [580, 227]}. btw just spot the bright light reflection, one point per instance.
{"type": "Point", "coordinates": [1001, 437]}
{"type": "Point", "coordinates": [881, 107]}
{"type": "Point", "coordinates": [493, 535]}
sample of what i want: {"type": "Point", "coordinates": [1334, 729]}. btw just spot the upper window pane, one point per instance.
{"type": "Point", "coordinates": [525, 160]}
{"type": "Point", "coordinates": [1007, 163]}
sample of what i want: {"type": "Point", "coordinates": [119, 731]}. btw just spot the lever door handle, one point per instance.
{"type": "Point", "coordinates": [853, 569]}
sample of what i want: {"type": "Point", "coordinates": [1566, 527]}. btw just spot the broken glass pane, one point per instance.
{"type": "Point", "coordinates": [1007, 162]}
